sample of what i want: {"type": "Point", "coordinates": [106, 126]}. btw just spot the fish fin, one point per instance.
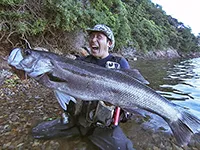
{"type": "Point", "coordinates": [63, 99]}
{"type": "Point", "coordinates": [196, 138]}
{"type": "Point", "coordinates": [192, 121]}
{"type": "Point", "coordinates": [181, 132]}
{"type": "Point", "coordinates": [185, 127]}
{"type": "Point", "coordinates": [134, 73]}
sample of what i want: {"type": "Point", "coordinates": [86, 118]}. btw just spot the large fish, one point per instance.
{"type": "Point", "coordinates": [90, 82]}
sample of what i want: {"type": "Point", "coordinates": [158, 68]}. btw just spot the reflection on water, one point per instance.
{"type": "Point", "coordinates": [176, 80]}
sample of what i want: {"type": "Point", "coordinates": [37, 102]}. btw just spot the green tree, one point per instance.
{"type": "Point", "coordinates": [136, 23]}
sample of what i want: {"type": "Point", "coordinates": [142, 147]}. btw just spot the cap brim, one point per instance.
{"type": "Point", "coordinates": [92, 30]}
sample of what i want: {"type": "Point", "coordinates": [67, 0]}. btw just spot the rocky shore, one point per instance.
{"type": "Point", "coordinates": [167, 53]}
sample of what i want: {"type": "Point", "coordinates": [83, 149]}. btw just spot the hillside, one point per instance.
{"type": "Point", "coordinates": [138, 25]}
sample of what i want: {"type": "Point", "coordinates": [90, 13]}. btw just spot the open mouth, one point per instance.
{"type": "Point", "coordinates": [95, 48]}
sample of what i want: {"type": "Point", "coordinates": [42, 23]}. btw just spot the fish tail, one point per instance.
{"type": "Point", "coordinates": [185, 127]}
{"type": "Point", "coordinates": [192, 121]}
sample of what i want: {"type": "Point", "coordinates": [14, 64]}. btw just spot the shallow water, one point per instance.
{"type": "Point", "coordinates": [177, 80]}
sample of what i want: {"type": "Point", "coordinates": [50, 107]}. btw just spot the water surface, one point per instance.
{"type": "Point", "coordinates": [177, 80]}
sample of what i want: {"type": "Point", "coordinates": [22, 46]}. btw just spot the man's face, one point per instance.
{"type": "Point", "coordinates": [99, 44]}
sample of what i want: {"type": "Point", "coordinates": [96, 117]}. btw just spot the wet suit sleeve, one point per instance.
{"type": "Point", "coordinates": [124, 64]}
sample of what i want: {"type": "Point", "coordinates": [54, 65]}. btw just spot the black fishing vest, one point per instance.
{"type": "Point", "coordinates": [112, 62]}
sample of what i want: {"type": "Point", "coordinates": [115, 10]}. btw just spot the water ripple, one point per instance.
{"type": "Point", "coordinates": [182, 84]}
{"type": "Point", "coordinates": [177, 80]}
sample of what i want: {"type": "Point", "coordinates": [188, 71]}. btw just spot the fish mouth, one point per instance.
{"type": "Point", "coordinates": [15, 58]}
{"type": "Point", "coordinates": [26, 61]}
{"type": "Point", "coordinates": [37, 67]}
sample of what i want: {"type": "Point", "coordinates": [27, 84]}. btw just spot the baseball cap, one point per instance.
{"type": "Point", "coordinates": [104, 29]}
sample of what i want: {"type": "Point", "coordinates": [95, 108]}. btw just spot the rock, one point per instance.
{"type": "Point", "coordinates": [162, 54]}
{"type": "Point", "coordinates": [7, 128]}
{"type": "Point", "coordinates": [20, 146]}
{"type": "Point", "coordinates": [6, 145]}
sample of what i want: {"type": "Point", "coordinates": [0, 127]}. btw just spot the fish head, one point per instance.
{"type": "Point", "coordinates": [32, 62]}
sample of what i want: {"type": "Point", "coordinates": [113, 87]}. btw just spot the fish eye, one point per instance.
{"type": "Point", "coordinates": [27, 52]}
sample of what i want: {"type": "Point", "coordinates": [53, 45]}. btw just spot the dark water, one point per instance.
{"type": "Point", "coordinates": [177, 80]}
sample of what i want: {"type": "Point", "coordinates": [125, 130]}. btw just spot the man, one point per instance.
{"type": "Point", "coordinates": [98, 120]}
{"type": "Point", "coordinates": [101, 40]}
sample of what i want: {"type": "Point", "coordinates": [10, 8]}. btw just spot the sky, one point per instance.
{"type": "Point", "coordinates": [186, 11]}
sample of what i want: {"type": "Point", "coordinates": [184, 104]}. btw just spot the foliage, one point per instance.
{"type": "Point", "coordinates": [136, 23]}
{"type": "Point", "coordinates": [10, 2]}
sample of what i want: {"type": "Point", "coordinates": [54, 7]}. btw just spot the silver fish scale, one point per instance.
{"type": "Point", "coordinates": [133, 96]}
{"type": "Point", "coordinates": [122, 91]}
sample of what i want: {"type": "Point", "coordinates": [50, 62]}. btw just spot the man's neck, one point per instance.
{"type": "Point", "coordinates": [104, 56]}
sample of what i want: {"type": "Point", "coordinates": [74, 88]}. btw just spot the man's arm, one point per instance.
{"type": "Point", "coordinates": [124, 63]}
